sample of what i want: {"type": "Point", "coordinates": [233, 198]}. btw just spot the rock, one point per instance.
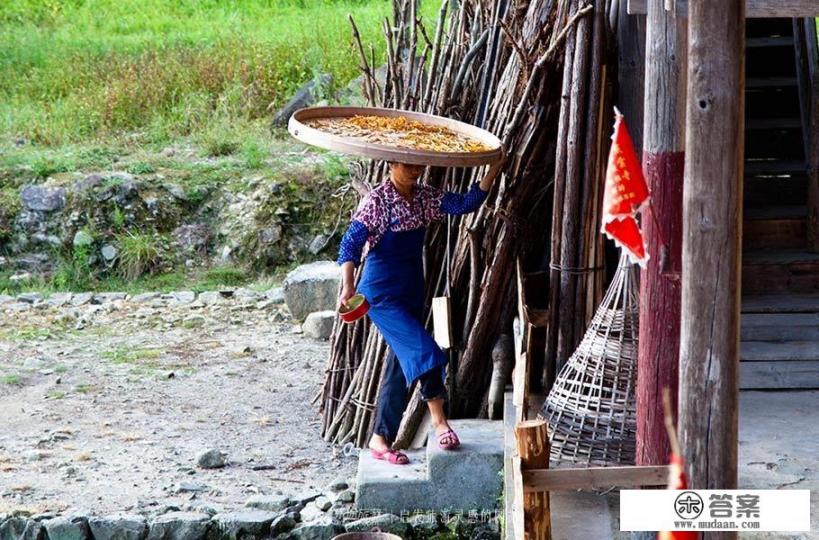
{"type": "Point", "coordinates": [211, 297]}
{"type": "Point", "coordinates": [319, 325]}
{"type": "Point", "coordinates": [317, 244]}
{"type": "Point", "coordinates": [109, 252]}
{"type": "Point", "coordinates": [184, 297]}
{"type": "Point", "coordinates": [143, 298]}
{"type": "Point", "coordinates": [21, 528]}
{"type": "Point", "coordinates": [194, 321]}
{"type": "Point", "coordinates": [190, 487]}
{"type": "Point", "coordinates": [21, 277]}
{"type": "Point", "coordinates": [346, 496]}
{"type": "Point", "coordinates": [42, 198]}
{"type": "Point", "coordinates": [237, 525]}
{"type": "Point", "coordinates": [304, 97]}
{"type": "Point", "coordinates": [282, 524]}
{"type": "Point", "coordinates": [80, 299]}
{"type": "Point", "coordinates": [323, 503]}
{"type": "Point", "coordinates": [179, 526]}
{"type": "Point", "coordinates": [271, 234]}
{"type": "Point", "coordinates": [30, 298]}
{"type": "Point", "coordinates": [7, 299]}
{"type": "Point", "coordinates": [339, 484]}
{"type": "Point", "coordinates": [82, 239]}
{"type": "Point", "coordinates": [323, 528]}
{"type": "Point", "coordinates": [276, 294]}
{"type": "Point", "coordinates": [67, 528]}
{"type": "Point", "coordinates": [312, 287]}
{"type": "Point", "coordinates": [211, 459]}
{"type": "Point", "coordinates": [310, 513]}
{"type": "Point", "coordinates": [424, 525]}
{"type": "Point", "coordinates": [193, 238]}
{"type": "Point", "coordinates": [89, 182]}
{"type": "Point", "coordinates": [270, 503]}
{"type": "Point", "coordinates": [389, 523]}
{"type": "Point", "coordinates": [118, 527]}
{"type": "Point", "coordinates": [58, 299]}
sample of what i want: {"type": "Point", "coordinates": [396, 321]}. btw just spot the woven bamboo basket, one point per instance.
{"type": "Point", "coordinates": [591, 408]}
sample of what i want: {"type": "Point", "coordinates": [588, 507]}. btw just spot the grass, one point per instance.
{"type": "Point", "coordinates": [11, 379]}
{"type": "Point", "coordinates": [73, 71]}
{"type": "Point", "coordinates": [130, 355]}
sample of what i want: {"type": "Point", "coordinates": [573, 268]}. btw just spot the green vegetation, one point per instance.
{"type": "Point", "coordinates": [130, 355]}
{"type": "Point", "coordinates": [10, 379]}
{"type": "Point", "coordinates": [140, 253]}
{"type": "Point", "coordinates": [70, 71]}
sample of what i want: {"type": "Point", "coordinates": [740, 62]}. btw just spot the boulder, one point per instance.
{"type": "Point", "coordinates": [282, 524]}
{"type": "Point", "coordinates": [21, 528]}
{"type": "Point", "coordinates": [82, 239]}
{"type": "Point", "coordinates": [322, 528]}
{"type": "Point", "coordinates": [118, 527]}
{"type": "Point", "coordinates": [319, 324]}
{"type": "Point", "coordinates": [271, 503]}
{"type": "Point", "coordinates": [389, 523]}
{"type": "Point", "coordinates": [179, 526]}
{"type": "Point", "coordinates": [67, 528]}
{"type": "Point", "coordinates": [193, 238]}
{"type": "Point", "coordinates": [312, 287]}
{"type": "Point", "coordinates": [42, 198]}
{"type": "Point", "coordinates": [304, 97]}
{"type": "Point", "coordinates": [211, 459]}
{"type": "Point", "coordinates": [109, 252]}
{"type": "Point", "coordinates": [237, 525]}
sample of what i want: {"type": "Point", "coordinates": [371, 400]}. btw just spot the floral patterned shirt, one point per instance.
{"type": "Point", "coordinates": [384, 207]}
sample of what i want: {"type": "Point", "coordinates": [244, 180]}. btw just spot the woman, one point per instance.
{"type": "Point", "coordinates": [392, 220]}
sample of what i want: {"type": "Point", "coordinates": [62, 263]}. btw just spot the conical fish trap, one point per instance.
{"type": "Point", "coordinates": [591, 408]}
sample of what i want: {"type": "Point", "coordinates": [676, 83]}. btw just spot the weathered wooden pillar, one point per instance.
{"type": "Point", "coordinates": [663, 160]}
{"type": "Point", "coordinates": [712, 233]}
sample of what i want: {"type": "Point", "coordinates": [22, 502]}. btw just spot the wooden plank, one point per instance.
{"type": "Point", "coordinates": [789, 351]}
{"type": "Point", "coordinates": [712, 238]}
{"type": "Point", "coordinates": [769, 82]}
{"type": "Point", "coordinates": [781, 303]}
{"type": "Point", "coordinates": [533, 449]}
{"type": "Point", "coordinates": [773, 123]}
{"type": "Point", "coordinates": [778, 375]}
{"type": "Point", "coordinates": [775, 167]}
{"type": "Point", "coordinates": [776, 41]}
{"type": "Point", "coordinates": [594, 478]}
{"type": "Point", "coordinates": [518, 516]}
{"type": "Point", "coordinates": [754, 9]}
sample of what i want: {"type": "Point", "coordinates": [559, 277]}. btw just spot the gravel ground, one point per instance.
{"type": "Point", "coordinates": [106, 407]}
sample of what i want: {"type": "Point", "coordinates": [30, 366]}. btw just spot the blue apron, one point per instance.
{"type": "Point", "coordinates": [393, 284]}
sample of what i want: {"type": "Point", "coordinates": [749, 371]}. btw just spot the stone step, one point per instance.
{"type": "Point", "coordinates": [458, 481]}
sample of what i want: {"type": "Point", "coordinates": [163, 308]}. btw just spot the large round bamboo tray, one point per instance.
{"type": "Point", "coordinates": [351, 145]}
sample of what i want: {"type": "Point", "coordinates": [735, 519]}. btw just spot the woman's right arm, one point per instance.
{"type": "Point", "coordinates": [349, 256]}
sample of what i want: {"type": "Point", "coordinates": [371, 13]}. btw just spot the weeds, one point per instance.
{"type": "Point", "coordinates": [140, 253]}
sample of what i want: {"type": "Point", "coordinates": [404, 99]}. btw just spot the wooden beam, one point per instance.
{"type": "Point", "coordinates": [594, 478]}
{"type": "Point", "coordinates": [712, 232]}
{"type": "Point", "coordinates": [663, 160]}
{"type": "Point", "coordinates": [755, 8]}
{"type": "Point", "coordinates": [533, 449]}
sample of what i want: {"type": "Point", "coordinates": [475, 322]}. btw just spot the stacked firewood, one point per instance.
{"type": "Point", "coordinates": [499, 65]}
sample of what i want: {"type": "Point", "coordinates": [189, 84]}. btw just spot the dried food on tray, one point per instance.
{"type": "Point", "coordinates": [399, 131]}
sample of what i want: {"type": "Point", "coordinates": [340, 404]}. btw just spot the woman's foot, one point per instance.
{"type": "Point", "coordinates": [381, 449]}
{"type": "Point", "coordinates": [447, 438]}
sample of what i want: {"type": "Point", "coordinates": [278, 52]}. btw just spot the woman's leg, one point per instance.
{"type": "Point", "coordinates": [392, 400]}
{"type": "Point", "coordinates": [433, 392]}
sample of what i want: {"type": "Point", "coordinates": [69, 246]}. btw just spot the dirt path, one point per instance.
{"type": "Point", "coordinates": [106, 407]}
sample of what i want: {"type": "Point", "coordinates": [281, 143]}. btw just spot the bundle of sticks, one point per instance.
{"type": "Point", "coordinates": [499, 65]}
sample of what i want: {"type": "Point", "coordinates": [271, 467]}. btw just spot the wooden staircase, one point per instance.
{"type": "Point", "coordinates": [780, 275]}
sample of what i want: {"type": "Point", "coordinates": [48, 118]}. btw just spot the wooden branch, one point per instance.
{"type": "Point", "coordinates": [594, 478]}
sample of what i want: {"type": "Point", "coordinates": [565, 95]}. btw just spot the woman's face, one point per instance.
{"type": "Point", "coordinates": [405, 174]}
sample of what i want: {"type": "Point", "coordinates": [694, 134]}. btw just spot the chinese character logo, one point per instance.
{"type": "Point", "coordinates": [688, 505]}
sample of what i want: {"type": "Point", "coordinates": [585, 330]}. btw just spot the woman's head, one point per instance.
{"type": "Point", "coordinates": [405, 174]}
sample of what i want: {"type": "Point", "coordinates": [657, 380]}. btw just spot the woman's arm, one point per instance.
{"type": "Point", "coordinates": [463, 203]}
{"type": "Point", "coordinates": [349, 255]}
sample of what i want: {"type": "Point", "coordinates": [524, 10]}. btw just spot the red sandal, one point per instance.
{"type": "Point", "coordinates": [393, 456]}
{"type": "Point", "coordinates": [448, 440]}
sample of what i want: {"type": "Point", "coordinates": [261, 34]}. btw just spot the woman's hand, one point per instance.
{"type": "Point", "coordinates": [347, 292]}
{"type": "Point", "coordinates": [493, 171]}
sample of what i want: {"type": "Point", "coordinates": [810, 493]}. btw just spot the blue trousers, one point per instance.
{"type": "Point", "coordinates": [392, 399]}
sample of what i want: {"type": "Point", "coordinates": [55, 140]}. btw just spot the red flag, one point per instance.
{"type": "Point", "coordinates": [624, 194]}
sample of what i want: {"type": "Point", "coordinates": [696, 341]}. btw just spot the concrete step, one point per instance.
{"type": "Point", "coordinates": [462, 480]}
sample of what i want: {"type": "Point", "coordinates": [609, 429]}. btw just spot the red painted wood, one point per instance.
{"type": "Point", "coordinates": [660, 289]}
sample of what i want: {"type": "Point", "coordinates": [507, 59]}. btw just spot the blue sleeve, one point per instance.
{"type": "Point", "coordinates": [463, 203]}
{"type": "Point", "coordinates": [352, 243]}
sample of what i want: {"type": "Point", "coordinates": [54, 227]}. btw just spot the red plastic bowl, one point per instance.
{"type": "Point", "coordinates": [355, 308]}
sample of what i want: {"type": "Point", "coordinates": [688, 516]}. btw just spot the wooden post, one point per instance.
{"type": "Point", "coordinates": [712, 233]}
{"type": "Point", "coordinates": [533, 450]}
{"type": "Point", "coordinates": [660, 287]}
